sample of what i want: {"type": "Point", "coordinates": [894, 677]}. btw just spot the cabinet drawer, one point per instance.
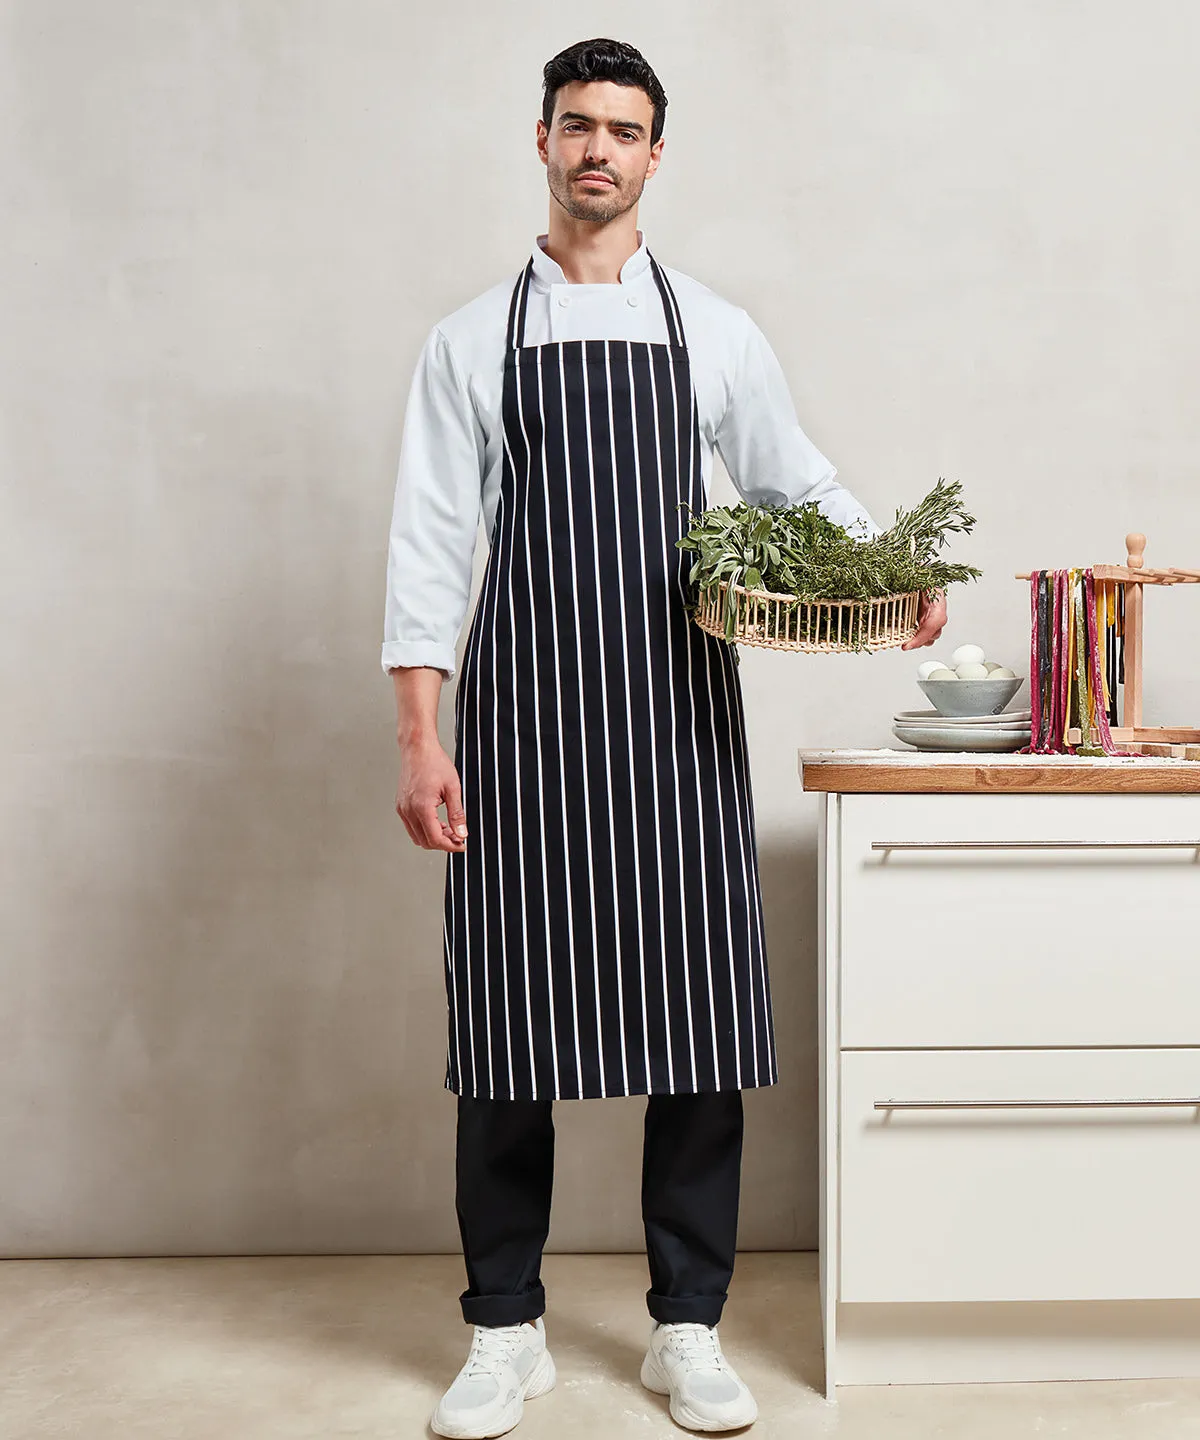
{"type": "Point", "coordinates": [1019, 920]}
{"type": "Point", "coordinates": [1004, 1201]}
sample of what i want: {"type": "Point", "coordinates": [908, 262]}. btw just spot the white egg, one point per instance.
{"type": "Point", "coordinates": [945, 673]}
{"type": "Point", "coordinates": [967, 655]}
{"type": "Point", "coordinates": [993, 665]}
{"type": "Point", "coordinates": [970, 670]}
{"type": "Point", "coordinates": [1002, 672]}
{"type": "Point", "coordinates": [927, 666]}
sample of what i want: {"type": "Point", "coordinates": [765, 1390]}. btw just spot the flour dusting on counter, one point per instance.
{"type": "Point", "coordinates": [964, 757]}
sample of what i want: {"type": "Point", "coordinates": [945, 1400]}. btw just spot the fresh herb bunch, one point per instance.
{"type": "Point", "coordinates": [796, 550]}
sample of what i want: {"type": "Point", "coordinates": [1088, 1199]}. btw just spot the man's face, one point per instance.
{"type": "Point", "coordinates": [599, 129]}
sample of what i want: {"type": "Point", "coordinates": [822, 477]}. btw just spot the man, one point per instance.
{"type": "Point", "coordinates": [603, 918]}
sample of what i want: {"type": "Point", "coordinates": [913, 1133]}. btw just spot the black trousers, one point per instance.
{"type": "Point", "coordinates": [691, 1177]}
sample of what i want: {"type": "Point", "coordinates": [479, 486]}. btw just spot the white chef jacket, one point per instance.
{"type": "Point", "coordinates": [452, 451]}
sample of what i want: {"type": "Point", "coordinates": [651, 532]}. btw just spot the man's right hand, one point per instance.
{"type": "Point", "coordinates": [428, 779]}
{"type": "Point", "coordinates": [427, 774]}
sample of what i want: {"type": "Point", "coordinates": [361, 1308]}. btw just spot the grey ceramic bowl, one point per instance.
{"type": "Point", "coordinates": [970, 697]}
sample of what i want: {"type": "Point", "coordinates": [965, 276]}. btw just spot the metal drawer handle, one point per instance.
{"type": "Point", "coordinates": [1020, 1104]}
{"type": "Point", "coordinates": [1035, 844]}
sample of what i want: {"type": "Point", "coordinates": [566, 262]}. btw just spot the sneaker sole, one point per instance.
{"type": "Point", "coordinates": [540, 1380]}
{"type": "Point", "coordinates": [653, 1378]}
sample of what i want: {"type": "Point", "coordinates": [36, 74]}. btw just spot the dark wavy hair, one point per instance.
{"type": "Point", "coordinates": [601, 59]}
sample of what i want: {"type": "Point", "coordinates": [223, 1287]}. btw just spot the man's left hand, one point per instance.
{"type": "Point", "coordinates": [931, 617]}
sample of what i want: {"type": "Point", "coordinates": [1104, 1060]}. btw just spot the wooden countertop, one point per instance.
{"type": "Point", "coordinates": [957, 772]}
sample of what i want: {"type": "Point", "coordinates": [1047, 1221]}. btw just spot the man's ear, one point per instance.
{"type": "Point", "coordinates": [542, 135]}
{"type": "Point", "coordinates": [655, 156]}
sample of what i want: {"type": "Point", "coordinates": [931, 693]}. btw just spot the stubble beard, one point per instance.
{"type": "Point", "coordinates": [598, 205]}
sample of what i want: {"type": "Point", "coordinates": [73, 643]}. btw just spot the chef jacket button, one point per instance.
{"type": "Point", "coordinates": [563, 300]}
{"type": "Point", "coordinates": [633, 300]}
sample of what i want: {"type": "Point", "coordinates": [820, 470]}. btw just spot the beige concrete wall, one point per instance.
{"type": "Point", "coordinates": [970, 230]}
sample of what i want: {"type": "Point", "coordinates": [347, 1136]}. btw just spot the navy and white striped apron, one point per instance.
{"type": "Point", "coordinates": [603, 925]}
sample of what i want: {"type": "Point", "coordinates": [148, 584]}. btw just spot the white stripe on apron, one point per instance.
{"type": "Point", "coordinates": [603, 925]}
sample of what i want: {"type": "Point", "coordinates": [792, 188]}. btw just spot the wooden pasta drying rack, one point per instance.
{"type": "Point", "coordinates": [1134, 575]}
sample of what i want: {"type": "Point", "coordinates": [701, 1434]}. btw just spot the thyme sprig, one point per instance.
{"type": "Point", "coordinates": [796, 550]}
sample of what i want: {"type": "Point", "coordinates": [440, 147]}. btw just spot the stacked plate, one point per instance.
{"type": "Point", "coordinates": [931, 730]}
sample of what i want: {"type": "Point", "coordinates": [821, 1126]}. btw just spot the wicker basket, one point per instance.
{"type": "Point", "coordinates": [784, 622]}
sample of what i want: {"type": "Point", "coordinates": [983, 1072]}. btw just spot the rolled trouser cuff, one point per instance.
{"type": "Point", "coordinates": [685, 1309]}
{"type": "Point", "coordinates": [504, 1309]}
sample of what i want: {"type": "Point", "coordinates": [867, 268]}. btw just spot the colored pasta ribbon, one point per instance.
{"type": "Point", "coordinates": [1076, 660]}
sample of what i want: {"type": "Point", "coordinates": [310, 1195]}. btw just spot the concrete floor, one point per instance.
{"type": "Point", "coordinates": [287, 1348]}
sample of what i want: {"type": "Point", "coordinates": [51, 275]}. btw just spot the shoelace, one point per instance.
{"type": "Point", "coordinates": [698, 1342]}
{"type": "Point", "coordinates": [492, 1346]}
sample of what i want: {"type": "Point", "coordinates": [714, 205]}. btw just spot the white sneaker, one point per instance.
{"type": "Point", "coordinates": [685, 1362]}
{"type": "Point", "coordinates": [508, 1365]}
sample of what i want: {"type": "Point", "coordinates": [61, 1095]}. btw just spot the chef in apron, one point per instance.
{"type": "Point", "coordinates": [603, 922]}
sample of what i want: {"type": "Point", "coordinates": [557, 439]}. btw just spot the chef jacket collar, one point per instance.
{"type": "Point", "coordinates": [549, 272]}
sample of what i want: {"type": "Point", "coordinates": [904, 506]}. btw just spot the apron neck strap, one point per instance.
{"type": "Point", "coordinates": [519, 304]}
{"type": "Point", "coordinates": [669, 302]}
{"type": "Point", "coordinates": [516, 308]}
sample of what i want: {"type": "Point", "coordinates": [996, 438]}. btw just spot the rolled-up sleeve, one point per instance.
{"type": "Point", "coordinates": [435, 515]}
{"type": "Point", "coordinates": [770, 459]}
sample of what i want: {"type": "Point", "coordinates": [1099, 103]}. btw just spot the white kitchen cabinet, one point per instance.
{"type": "Point", "coordinates": [1086, 1195]}
{"type": "Point", "coordinates": [1010, 1068]}
{"type": "Point", "coordinates": [959, 936]}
